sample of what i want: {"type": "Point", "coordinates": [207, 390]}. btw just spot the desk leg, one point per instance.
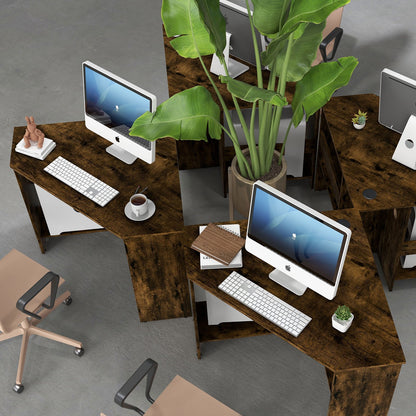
{"type": "Point", "coordinates": [386, 231]}
{"type": "Point", "coordinates": [34, 209]}
{"type": "Point", "coordinates": [157, 268]}
{"type": "Point", "coordinates": [363, 391]}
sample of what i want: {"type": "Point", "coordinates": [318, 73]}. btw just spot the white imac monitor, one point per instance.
{"type": "Point", "coordinates": [239, 39]}
{"type": "Point", "coordinates": [397, 111]}
{"type": "Point", "coordinates": [397, 100]}
{"type": "Point", "coordinates": [111, 105]}
{"type": "Point", "coordinates": [307, 248]}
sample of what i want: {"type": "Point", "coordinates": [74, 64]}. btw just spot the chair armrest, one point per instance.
{"type": "Point", "coordinates": [49, 278]}
{"type": "Point", "coordinates": [335, 34]}
{"type": "Point", "coordinates": [148, 368]}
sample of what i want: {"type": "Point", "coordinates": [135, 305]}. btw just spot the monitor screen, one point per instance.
{"type": "Point", "coordinates": [300, 242]}
{"type": "Point", "coordinates": [397, 100]}
{"type": "Point", "coordinates": [238, 25]}
{"type": "Point", "coordinates": [111, 107]}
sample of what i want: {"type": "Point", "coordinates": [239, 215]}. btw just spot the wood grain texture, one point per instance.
{"type": "Point", "coordinates": [87, 150]}
{"type": "Point", "coordinates": [362, 366]}
{"type": "Point", "coordinates": [351, 161]}
{"type": "Point", "coordinates": [364, 391]}
{"type": "Point", "coordinates": [154, 248]}
{"type": "Point", "coordinates": [365, 155]}
{"type": "Point", "coordinates": [158, 275]}
{"type": "Point", "coordinates": [387, 231]}
{"type": "Point", "coordinates": [34, 209]}
{"type": "Point", "coordinates": [218, 244]}
{"type": "Point", "coordinates": [372, 340]}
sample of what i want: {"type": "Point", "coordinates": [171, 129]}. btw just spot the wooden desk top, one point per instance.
{"type": "Point", "coordinates": [372, 339]}
{"type": "Point", "coordinates": [365, 155]}
{"type": "Point", "coordinates": [87, 150]}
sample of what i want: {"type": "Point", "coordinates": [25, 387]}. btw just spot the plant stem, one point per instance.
{"type": "Point", "coordinates": [281, 89]}
{"type": "Point", "coordinates": [256, 48]}
{"type": "Point", "coordinates": [284, 142]}
{"type": "Point", "coordinates": [245, 168]}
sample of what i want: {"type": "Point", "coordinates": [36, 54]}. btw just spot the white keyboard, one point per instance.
{"type": "Point", "coordinates": [264, 303]}
{"type": "Point", "coordinates": [81, 181]}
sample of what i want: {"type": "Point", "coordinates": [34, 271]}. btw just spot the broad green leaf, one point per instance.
{"type": "Point", "coordinates": [303, 52]}
{"type": "Point", "coordinates": [314, 11]}
{"type": "Point", "coordinates": [182, 19]}
{"type": "Point", "coordinates": [267, 15]}
{"type": "Point", "coordinates": [250, 93]}
{"type": "Point", "coordinates": [318, 85]}
{"type": "Point", "coordinates": [214, 23]}
{"type": "Point", "coordinates": [187, 115]}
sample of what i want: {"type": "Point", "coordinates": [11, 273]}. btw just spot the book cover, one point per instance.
{"type": "Point", "coordinates": [208, 262]}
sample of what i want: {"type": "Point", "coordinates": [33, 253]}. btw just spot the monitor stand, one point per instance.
{"type": "Point", "coordinates": [121, 154]}
{"type": "Point", "coordinates": [405, 152]}
{"type": "Point", "coordinates": [235, 68]}
{"type": "Point", "coordinates": [287, 282]}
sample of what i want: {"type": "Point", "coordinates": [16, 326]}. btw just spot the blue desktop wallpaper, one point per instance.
{"type": "Point", "coordinates": [111, 103]}
{"type": "Point", "coordinates": [296, 235]}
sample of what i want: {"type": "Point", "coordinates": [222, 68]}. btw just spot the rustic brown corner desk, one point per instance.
{"type": "Point", "coordinates": [352, 161]}
{"type": "Point", "coordinates": [153, 247]}
{"type": "Point", "coordinates": [362, 365]}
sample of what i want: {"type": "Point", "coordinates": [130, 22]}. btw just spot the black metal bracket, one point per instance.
{"type": "Point", "coordinates": [49, 278]}
{"type": "Point", "coordinates": [335, 34]}
{"type": "Point", "coordinates": [147, 368]}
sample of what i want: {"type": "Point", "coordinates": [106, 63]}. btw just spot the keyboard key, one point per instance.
{"type": "Point", "coordinates": [265, 304]}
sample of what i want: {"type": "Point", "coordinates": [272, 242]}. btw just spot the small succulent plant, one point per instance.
{"type": "Point", "coordinates": [360, 117]}
{"type": "Point", "coordinates": [343, 313]}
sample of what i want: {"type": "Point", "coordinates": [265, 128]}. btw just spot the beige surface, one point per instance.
{"type": "Point", "coordinates": [333, 21]}
{"type": "Point", "coordinates": [181, 398]}
{"type": "Point", "coordinates": [18, 273]}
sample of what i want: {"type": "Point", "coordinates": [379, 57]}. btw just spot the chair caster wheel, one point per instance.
{"type": "Point", "coordinates": [67, 301]}
{"type": "Point", "coordinates": [18, 388]}
{"type": "Point", "coordinates": [79, 352]}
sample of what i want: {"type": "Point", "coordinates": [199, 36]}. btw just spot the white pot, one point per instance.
{"type": "Point", "coordinates": [358, 126]}
{"type": "Point", "coordinates": [341, 325]}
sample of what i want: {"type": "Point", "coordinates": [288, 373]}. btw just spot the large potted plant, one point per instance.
{"type": "Point", "coordinates": [294, 28]}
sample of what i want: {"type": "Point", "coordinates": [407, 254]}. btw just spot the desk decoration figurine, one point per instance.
{"type": "Point", "coordinates": [342, 318]}
{"type": "Point", "coordinates": [32, 134]}
{"type": "Point", "coordinates": [198, 29]}
{"type": "Point", "coordinates": [359, 120]}
{"type": "Point", "coordinates": [34, 142]}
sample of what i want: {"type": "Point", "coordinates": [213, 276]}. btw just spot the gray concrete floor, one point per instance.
{"type": "Point", "coordinates": [42, 46]}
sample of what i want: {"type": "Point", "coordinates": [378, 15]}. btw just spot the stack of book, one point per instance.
{"type": "Point", "coordinates": [34, 151]}
{"type": "Point", "coordinates": [219, 246]}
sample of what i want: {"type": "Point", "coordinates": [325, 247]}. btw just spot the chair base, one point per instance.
{"type": "Point", "coordinates": [27, 328]}
{"type": "Point", "coordinates": [18, 388]}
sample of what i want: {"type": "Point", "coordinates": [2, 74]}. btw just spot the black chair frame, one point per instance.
{"type": "Point", "coordinates": [147, 368]}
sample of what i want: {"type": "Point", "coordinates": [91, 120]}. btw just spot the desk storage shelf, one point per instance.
{"type": "Point", "coordinates": [160, 286]}
{"type": "Point", "coordinates": [222, 331]}
{"type": "Point", "coordinates": [351, 161]}
{"type": "Point", "coordinates": [362, 366]}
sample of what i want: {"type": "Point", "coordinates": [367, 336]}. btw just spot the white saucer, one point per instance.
{"type": "Point", "coordinates": [150, 211]}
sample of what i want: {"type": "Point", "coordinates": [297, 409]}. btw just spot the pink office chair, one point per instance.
{"type": "Point", "coordinates": [331, 37]}
{"type": "Point", "coordinates": [24, 302]}
{"type": "Point", "coordinates": [180, 398]}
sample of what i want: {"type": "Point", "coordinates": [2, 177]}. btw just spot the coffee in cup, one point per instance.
{"type": "Point", "coordinates": [139, 204]}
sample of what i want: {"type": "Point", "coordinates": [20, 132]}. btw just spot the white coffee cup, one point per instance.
{"type": "Point", "coordinates": [139, 204]}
